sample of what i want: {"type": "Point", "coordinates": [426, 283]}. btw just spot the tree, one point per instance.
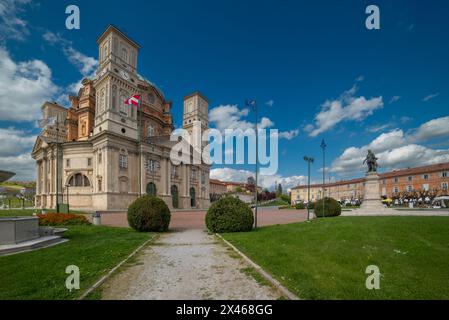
{"type": "Point", "coordinates": [251, 184]}
{"type": "Point", "coordinates": [279, 190]}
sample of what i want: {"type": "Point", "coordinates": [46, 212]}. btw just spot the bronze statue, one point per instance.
{"type": "Point", "coordinates": [371, 161]}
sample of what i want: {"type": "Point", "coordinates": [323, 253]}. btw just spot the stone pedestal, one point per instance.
{"type": "Point", "coordinates": [372, 200]}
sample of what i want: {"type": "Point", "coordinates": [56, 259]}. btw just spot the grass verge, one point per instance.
{"type": "Point", "coordinates": [40, 275]}
{"type": "Point", "coordinates": [327, 258]}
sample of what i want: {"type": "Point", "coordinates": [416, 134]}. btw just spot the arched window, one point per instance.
{"type": "Point", "coordinates": [123, 106]}
{"type": "Point", "coordinates": [151, 189]}
{"type": "Point", "coordinates": [174, 195]}
{"type": "Point", "coordinates": [192, 197]}
{"type": "Point", "coordinates": [125, 55]}
{"type": "Point", "coordinates": [150, 131]}
{"type": "Point", "coordinates": [151, 98]}
{"type": "Point", "coordinates": [79, 180]}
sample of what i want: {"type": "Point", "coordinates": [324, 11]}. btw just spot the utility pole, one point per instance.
{"type": "Point", "coordinates": [253, 104]}
{"type": "Point", "coordinates": [309, 161]}
{"type": "Point", "coordinates": [323, 146]}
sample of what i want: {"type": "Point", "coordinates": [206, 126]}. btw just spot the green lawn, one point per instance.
{"type": "Point", "coordinates": [28, 212]}
{"type": "Point", "coordinates": [16, 213]}
{"type": "Point", "coordinates": [327, 258]}
{"type": "Point", "coordinates": [41, 274]}
{"type": "Point", "coordinates": [16, 203]}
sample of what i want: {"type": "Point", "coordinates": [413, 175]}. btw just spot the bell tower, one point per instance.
{"type": "Point", "coordinates": [196, 116]}
{"type": "Point", "coordinates": [117, 80]}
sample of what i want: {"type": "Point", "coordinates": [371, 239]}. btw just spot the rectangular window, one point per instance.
{"type": "Point", "coordinates": [396, 189]}
{"type": "Point", "coordinates": [444, 185]}
{"type": "Point", "coordinates": [123, 161]}
{"type": "Point", "coordinates": [409, 188]}
{"type": "Point", "coordinates": [89, 162]}
{"type": "Point", "coordinates": [396, 180]}
{"type": "Point", "coordinates": [174, 171]}
{"type": "Point", "coordinates": [425, 177]}
{"type": "Point", "coordinates": [410, 179]}
{"type": "Point", "coordinates": [152, 166]}
{"type": "Point", "coordinates": [444, 174]}
{"type": "Point", "coordinates": [193, 174]}
{"type": "Point", "coordinates": [203, 178]}
{"type": "Point", "coordinates": [67, 163]}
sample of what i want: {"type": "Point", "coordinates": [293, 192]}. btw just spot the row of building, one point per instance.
{"type": "Point", "coordinates": [218, 187]}
{"type": "Point", "coordinates": [433, 178]}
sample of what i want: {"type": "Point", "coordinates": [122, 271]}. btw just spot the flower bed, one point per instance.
{"type": "Point", "coordinates": [62, 219]}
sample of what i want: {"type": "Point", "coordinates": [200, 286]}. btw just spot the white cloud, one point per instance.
{"type": "Point", "coordinates": [394, 99]}
{"type": "Point", "coordinates": [269, 103]}
{"type": "Point", "coordinates": [14, 141]}
{"type": "Point", "coordinates": [288, 135]}
{"type": "Point", "coordinates": [360, 79]}
{"type": "Point", "coordinates": [15, 145]}
{"type": "Point", "coordinates": [231, 117]}
{"type": "Point", "coordinates": [23, 165]}
{"type": "Point", "coordinates": [12, 26]}
{"type": "Point", "coordinates": [346, 108]}
{"type": "Point", "coordinates": [378, 128]}
{"type": "Point", "coordinates": [268, 182]}
{"type": "Point", "coordinates": [396, 149]}
{"type": "Point", "coordinates": [85, 64]}
{"type": "Point", "coordinates": [432, 129]}
{"type": "Point", "coordinates": [430, 97]}
{"type": "Point", "coordinates": [24, 86]}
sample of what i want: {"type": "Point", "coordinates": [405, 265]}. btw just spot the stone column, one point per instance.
{"type": "Point", "coordinates": [38, 175]}
{"type": "Point", "coordinates": [143, 173]}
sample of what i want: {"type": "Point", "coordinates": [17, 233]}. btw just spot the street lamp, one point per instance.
{"type": "Point", "coordinates": [253, 105]}
{"type": "Point", "coordinates": [309, 161]}
{"type": "Point", "coordinates": [323, 146]}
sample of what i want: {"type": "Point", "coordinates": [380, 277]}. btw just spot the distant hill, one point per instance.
{"type": "Point", "coordinates": [18, 184]}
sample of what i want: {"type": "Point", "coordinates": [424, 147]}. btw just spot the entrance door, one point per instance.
{"type": "Point", "coordinates": [151, 189]}
{"type": "Point", "coordinates": [174, 196]}
{"type": "Point", "coordinates": [192, 197]}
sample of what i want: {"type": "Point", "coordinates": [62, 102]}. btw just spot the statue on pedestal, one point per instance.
{"type": "Point", "coordinates": [371, 161]}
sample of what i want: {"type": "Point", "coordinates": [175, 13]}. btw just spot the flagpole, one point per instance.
{"type": "Point", "coordinates": [140, 145]}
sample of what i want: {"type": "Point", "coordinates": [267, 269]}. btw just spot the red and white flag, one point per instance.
{"type": "Point", "coordinates": [134, 100]}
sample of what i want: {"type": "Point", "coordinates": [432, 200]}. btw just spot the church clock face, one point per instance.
{"type": "Point", "coordinates": [124, 74]}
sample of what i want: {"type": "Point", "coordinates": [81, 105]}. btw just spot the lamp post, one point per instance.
{"type": "Point", "coordinates": [309, 161]}
{"type": "Point", "coordinates": [323, 146]}
{"type": "Point", "coordinates": [253, 105]}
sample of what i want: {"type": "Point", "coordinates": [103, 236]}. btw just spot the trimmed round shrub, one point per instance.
{"type": "Point", "coordinates": [229, 215]}
{"type": "Point", "coordinates": [300, 206]}
{"type": "Point", "coordinates": [331, 208]}
{"type": "Point", "coordinates": [149, 213]}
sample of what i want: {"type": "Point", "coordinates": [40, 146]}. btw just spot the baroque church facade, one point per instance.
{"type": "Point", "coordinates": [101, 154]}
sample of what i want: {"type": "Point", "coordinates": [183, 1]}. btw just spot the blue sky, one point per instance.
{"type": "Point", "coordinates": [313, 67]}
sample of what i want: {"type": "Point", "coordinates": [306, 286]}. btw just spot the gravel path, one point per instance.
{"type": "Point", "coordinates": [186, 265]}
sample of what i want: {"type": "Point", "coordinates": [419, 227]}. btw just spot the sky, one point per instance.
{"type": "Point", "coordinates": [314, 68]}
